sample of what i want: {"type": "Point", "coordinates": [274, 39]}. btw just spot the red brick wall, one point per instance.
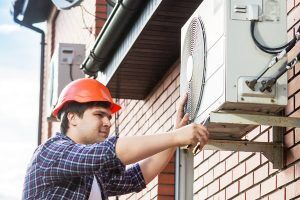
{"type": "Point", "coordinates": [154, 114]}
{"type": "Point", "coordinates": [100, 13]}
{"type": "Point", "coordinates": [241, 175]}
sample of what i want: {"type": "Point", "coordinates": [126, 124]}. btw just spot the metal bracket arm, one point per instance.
{"type": "Point", "coordinates": [272, 151]}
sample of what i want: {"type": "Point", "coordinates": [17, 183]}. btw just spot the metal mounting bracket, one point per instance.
{"type": "Point", "coordinates": [274, 151]}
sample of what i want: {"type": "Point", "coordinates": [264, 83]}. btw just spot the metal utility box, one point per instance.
{"type": "Point", "coordinates": [229, 57]}
{"type": "Point", "coordinates": [64, 67]}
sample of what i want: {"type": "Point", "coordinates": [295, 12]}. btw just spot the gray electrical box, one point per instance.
{"type": "Point", "coordinates": [64, 67]}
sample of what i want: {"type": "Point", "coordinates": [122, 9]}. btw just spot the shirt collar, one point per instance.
{"type": "Point", "coordinates": [63, 136]}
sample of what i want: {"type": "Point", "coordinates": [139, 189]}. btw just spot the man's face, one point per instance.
{"type": "Point", "coordinates": [94, 126]}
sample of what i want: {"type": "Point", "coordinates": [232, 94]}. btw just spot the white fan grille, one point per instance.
{"type": "Point", "coordinates": [194, 49]}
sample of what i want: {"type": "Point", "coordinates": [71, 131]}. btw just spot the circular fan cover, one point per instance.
{"type": "Point", "coordinates": [194, 63]}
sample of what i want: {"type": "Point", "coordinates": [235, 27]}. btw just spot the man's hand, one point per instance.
{"type": "Point", "coordinates": [182, 119]}
{"type": "Point", "coordinates": [191, 134]}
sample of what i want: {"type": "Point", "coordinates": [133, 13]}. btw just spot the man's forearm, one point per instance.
{"type": "Point", "coordinates": [153, 165]}
{"type": "Point", "coordinates": [133, 149]}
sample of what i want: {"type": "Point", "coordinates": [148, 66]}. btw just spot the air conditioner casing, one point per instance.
{"type": "Point", "coordinates": [233, 58]}
{"type": "Point", "coordinates": [66, 57]}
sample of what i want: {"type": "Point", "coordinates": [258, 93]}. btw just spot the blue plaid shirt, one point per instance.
{"type": "Point", "coordinates": [62, 169]}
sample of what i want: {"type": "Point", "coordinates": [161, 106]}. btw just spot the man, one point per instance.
{"type": "Point", "coordinates": [82, 162]}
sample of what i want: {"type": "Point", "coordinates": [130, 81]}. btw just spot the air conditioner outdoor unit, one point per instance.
{"type": "Point", "coordinates": [64, 67]}
{"type": "Point", "coordinates": [219, 58]}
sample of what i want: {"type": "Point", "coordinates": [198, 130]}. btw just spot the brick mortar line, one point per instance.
{"type": "Point", "coordinates": [297, 107]}
{"type": "Point", "coordinates": [293, 25]}
{"type": "Point", "coordinates": [216, 151]}
{"type": "Point", "coordinates": [146, 110]}
{"type": "Point", "coordinates": [253, 140]}
{"type": "Point", "coordinates": [295, 198]}
{"type": "Point", "coordinates": [296, 92]}
{"type": "Point", "coordinates": [297, 143]}
{"type": "Point", "coordinates": [129, 110]}
{"type": "Point", "coordinates": [294, 111]}
{"type": "Point", "coordinates": [150, 106]}
{"type": "Point", "coordinates": [273, 174]}
{"type": "Point", "coordinates": [162, 123]}
{"type": "Point", "coordinates": [290, 130]}
{"type": "Point", "coordinates": [228, 171]}
{"type": "Point", "coordinates": [269, 176]}
{"type": "Point", "coordinates": [292, 78]}
{"type": "Point", "coordinates": [279, 188]}
{"type": "Point", "coordinates": [159, 126]}
{"type": "Point", "coordinates": [229, 155]}
{"type": "Point", "coordinates": [206, 159]}
{"type": "Point", "coordinates": [233, 182]}
{"type": "Point", "coordinates": [150, 126]}
{"type": "Point", "coordinates": [153, 114]}
{"type": "Point", "coordinates": [294, 7]}
{"type": "Point", "coordinates": [127, 115]}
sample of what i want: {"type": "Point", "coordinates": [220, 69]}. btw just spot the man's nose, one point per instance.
{"type": "Point", "coordinates": [106, 122]}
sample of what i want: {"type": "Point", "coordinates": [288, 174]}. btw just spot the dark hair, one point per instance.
{"type": "Point", "coordinates": [78, 109]}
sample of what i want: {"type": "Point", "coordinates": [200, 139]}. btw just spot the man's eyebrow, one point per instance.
{"type": "Point", "coordinates": [103, 113]}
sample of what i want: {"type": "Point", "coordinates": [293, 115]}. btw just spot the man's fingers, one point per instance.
{"type": "Point", "coordinates": [183, 101]}
{"type": "Point", "coordinates": [181, 106]}
{"type": "Point", "coordinates": [202, 140]}
{"type": "Point", "coordinates": [197, 148]}
{"type": "Point", "coordinates": [202, 129]}
{"type": "Point", "coordinates": [180, 112]}
{"type": "Point", "coordinates": [202, 137]}
{"type": "Point", "coordinates": [205, 135]}
{"type": "Point", "coordinates": [184, 120]}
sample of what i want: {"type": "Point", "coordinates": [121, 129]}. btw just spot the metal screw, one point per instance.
{"type": "Point", "coordinates": [272, 100]}
{"type": "Point", "coordinates": [242, 98]}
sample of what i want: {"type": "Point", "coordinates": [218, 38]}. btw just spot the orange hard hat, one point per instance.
{"type": "Point", "coordinates": [85, 90]}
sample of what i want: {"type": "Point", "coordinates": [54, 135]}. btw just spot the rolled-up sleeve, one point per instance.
{"type": "Point", "coordinates": [67, 159]}
{"type": "Point", "coordinates": [124, 182]}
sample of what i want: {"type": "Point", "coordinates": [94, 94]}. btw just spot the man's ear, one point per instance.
{"type": "Point", "coordinates": [73, 118]}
